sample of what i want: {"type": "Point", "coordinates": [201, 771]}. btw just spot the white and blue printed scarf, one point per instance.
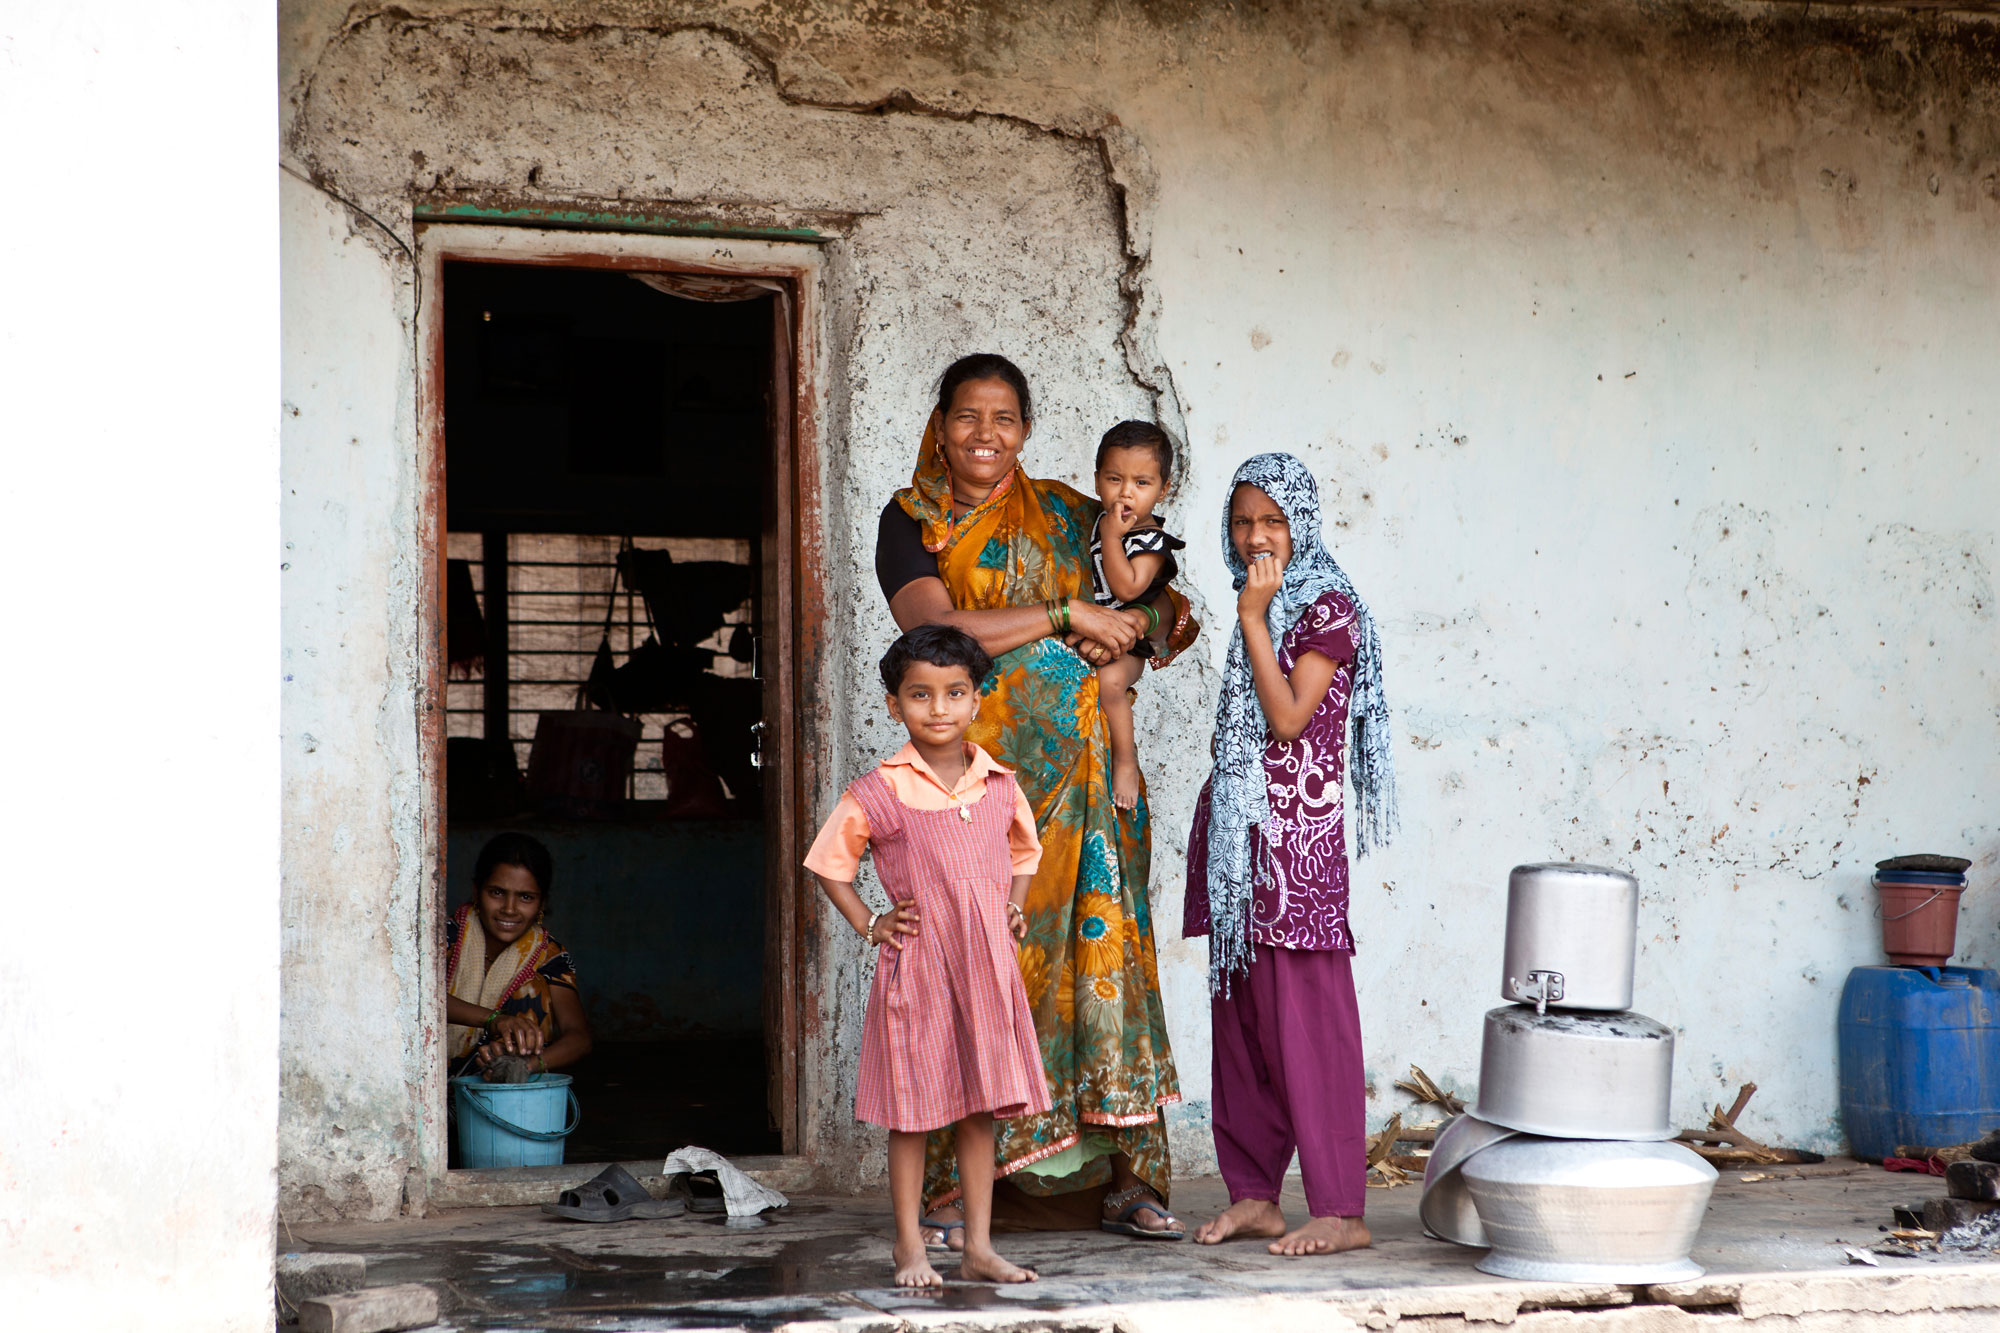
{"type": "Point", "coordinates": [1237, 797]}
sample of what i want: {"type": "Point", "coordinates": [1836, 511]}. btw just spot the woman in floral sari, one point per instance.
{"type": "Point", "coordinates": [976, 543]}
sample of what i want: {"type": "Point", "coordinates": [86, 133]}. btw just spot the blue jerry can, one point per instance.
{"type": "Point", "coordinates": [1919, 1056]}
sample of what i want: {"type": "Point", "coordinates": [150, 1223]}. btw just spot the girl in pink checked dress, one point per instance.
{"type": "Point", "coordinates": [949, 1038]}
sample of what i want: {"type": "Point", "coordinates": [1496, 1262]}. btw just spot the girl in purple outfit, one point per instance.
{"type": "Point", "coordinates": [1267, 867]}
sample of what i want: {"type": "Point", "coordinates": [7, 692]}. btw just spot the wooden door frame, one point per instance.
{"type": "Point", "coordinates": [789, 920]}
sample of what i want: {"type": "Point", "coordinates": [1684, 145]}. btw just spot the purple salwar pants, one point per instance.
{"type": "Point", "coordinates": [1287, 1043]}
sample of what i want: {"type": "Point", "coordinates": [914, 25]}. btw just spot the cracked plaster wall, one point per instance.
{"type": "Point", "coordinates": [1643, 352]}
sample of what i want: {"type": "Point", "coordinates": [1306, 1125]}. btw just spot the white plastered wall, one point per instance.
{"type": "Point", "coordinates": [1724, 615]}
{"type": "Point", "coordinates": [138, 365]}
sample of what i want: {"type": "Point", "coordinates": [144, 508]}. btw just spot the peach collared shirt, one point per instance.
{"type": "Point", "coordinates": [836, 852]}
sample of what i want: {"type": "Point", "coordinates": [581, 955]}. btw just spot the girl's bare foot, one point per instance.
{"type": "Point", "coordinates": [1245, 1219]}
{"type": "Point", "coordinates": [1126, 780]}
{"type": "Point", "coordinates": [1324, 1235]}
{"type": "Point", "coordinates": [914, 1270]}
{"type": "Point", "coordinates": [984, 1264]}
{"type": "Point", "coordinates": [952, 1237]}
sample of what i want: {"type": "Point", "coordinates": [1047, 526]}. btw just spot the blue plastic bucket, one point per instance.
{"type": "Point", "coordinates": [513, 1124]}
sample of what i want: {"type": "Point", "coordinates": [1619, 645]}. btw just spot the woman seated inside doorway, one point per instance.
{"type": "Point", "coordinates": [510, 989]}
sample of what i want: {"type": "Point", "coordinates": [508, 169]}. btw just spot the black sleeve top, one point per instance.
{"type": "Point", "coordinates": [900, 557]}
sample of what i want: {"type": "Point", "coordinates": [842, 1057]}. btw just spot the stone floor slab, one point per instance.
{"type": "Point", "coordinates": [1771, 1240]}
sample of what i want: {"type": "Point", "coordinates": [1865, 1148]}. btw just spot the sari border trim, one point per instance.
{"type": "Point", "coordinates": [1010, 1167]}
{"type": "Point", "coordinates": [1127, 1121]}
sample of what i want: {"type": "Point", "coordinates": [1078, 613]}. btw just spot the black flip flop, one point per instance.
{"type": "Point", "coordinates": [699, 1190]}
{"type": "Point", "coordinates": [943, 1245]}
{"type": "Point", "coordinates": [612, 1195]}
{"type": "Point", "coordinates": [1131, 1202]}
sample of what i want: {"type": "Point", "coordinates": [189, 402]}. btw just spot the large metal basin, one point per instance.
{"type": "Point", "coordinates": [1445, 1207]}
{"type": "Point", "coordinates": [1572, 930]}
{"type": "Point", "coordinates": [1576, 1076]}
{"type": "Point", "coordinates": [1562, 1210]}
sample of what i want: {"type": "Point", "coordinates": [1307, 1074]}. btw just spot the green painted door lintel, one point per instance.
{"type": "Point", "coordinates": [590, 220]}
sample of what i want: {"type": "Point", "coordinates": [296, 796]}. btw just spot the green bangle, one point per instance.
{"type": "Point", "coordinates": [1065, 615]}
{"type": "Point", "coordinates": [1152, 619]}
{"type": "Point", "coordinates": [491, 1019]}
{"type": "Point", "coordinates": [1049, 609]}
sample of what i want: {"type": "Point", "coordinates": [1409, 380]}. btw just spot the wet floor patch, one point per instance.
{"type": "Point", "coordinates": [553, 1285]}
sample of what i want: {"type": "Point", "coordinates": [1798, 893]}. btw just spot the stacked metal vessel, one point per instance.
{"type": "Point", "coordinates": [1562, 1170]}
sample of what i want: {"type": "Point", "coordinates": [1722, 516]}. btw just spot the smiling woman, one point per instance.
{"type": "Point", "coordinates": [510, 987]}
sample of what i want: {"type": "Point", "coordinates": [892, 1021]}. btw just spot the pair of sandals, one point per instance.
{"type": "Point", "coordinates": [615, 1195]}
{"type": "Point", "coordinates": [1129, 1203]}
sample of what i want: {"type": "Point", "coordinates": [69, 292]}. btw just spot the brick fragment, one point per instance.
{"type": "Point", "coordinates": [1941, 1215]}
{"type": "Point", "coordinates": [1973, 1180]}
{"type": "Point", "coordinates": [370, 1310]}
{"type": "Point", "coordinates": [303, 1276]}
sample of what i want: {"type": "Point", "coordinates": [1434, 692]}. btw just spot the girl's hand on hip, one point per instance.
{"type": "Point", "coordinates": [1017, 920]}
{"type": "Point", "coordinates": [1266, 574]}
{"type": "Point", "coordinates": [895, 924]}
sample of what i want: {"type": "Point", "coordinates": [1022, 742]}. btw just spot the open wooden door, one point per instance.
{"type": "Point", "coordinates": [779, 740]}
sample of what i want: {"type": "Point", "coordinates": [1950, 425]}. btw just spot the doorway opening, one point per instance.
{"type": "Point", "coordinates": [616, 461]}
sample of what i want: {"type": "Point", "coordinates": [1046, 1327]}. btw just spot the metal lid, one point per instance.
{"type": "Point", "coordinates": [1619, 1025]}
{"type": "Point", "coordinates": [1573, 868]}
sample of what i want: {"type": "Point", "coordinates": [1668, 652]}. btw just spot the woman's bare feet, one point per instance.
{"type": "Point", "coordinates": [1126, 782]}
{"type": "Point", "coordinates": [913, 1269]}
{"type": "Point", "coordinates": [984, 1264]}
{"type": "Point", "coordinates": [950, 1237]}
{"type": "Point", "coordinates": [1324, 1235]}
{"type": "Point", "coordinates": [1245, 1219]}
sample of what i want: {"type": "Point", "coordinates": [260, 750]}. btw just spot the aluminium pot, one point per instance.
{"type": "Point", "coordinates": [1445, 1207]}
{"type": "Point", "coordinates": [1572, 931]}
{"type": "Point", "coordinates": [1557, 1210]}
{"type": "Point", "coordinates": [1576, 1076]}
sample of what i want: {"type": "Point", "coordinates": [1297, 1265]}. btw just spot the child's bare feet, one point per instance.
{"type": "Point", "coordinates": [1245, 1219]}
{"type": "Point", "coordinates": [1125, 782]}
{"type": "Point", "coordinates": [913, 1269]}
{"type": "Point", "coordinates": [1324, 1235]}
{"type": "Point", "coordinates": [984, 1264]}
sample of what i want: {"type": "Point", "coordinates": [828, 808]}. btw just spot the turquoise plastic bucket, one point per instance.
{"type": "Point", "coordinates": [513, 1124]}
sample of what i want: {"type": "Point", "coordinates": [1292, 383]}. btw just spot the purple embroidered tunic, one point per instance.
{"type": "Point", "coordinates": [1299, 899]}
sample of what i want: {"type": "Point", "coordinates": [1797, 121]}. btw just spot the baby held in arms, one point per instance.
{"type": "Point", "coordinates": [1131, 563]}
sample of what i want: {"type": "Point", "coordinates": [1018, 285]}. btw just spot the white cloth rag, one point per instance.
{"type": "Point", "coordinates": [743, 1196]}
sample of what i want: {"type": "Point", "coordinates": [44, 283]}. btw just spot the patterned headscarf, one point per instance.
{"type": "Point", "coordinates": [1237, 797]}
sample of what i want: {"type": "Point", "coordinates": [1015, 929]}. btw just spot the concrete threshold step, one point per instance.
{"type": "Point", "coordinates": [1954, 1299]}
{"type": "Point", "coordinates": [511, 1187]}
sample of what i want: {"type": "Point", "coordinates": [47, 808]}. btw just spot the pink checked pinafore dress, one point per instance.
{"type": "Point", "coordinates": [949, 1033]}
